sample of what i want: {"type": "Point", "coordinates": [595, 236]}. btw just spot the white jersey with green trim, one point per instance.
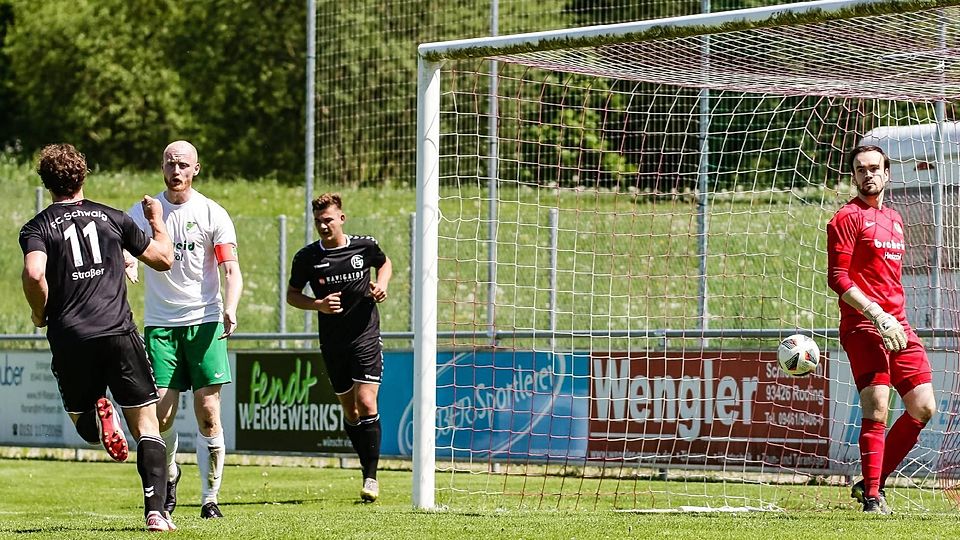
{"type": "Point", "coordinates": [189, 293]}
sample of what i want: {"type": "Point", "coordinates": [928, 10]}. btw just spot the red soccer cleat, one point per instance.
{"type": "Point", "coordinates": [111, 432]}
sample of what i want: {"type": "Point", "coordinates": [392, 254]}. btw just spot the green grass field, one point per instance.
{"type": "Point", "coordinates": [60, 499]}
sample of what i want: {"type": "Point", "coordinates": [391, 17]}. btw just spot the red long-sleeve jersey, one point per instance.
{"type": "Point", "coordinates": [865, 247]}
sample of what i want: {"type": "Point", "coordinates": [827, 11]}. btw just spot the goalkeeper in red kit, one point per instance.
{"type": "Point", "coordinates": [865, 246]}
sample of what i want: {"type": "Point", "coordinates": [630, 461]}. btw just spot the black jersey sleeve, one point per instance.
{"type": "Point", "coordinates": [31, 238]}
{"type": "Point", "coordinates": [300, 270]}
{"type": "Point", "coordinates": [132, 237]}
{"type": "Point", "coordinates": [375, 255]}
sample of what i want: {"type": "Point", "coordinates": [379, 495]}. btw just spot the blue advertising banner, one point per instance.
{"type": "Point", "coordinates": [493, 404]}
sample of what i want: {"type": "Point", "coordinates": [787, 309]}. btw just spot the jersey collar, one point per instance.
{"type": "Point", "coordinates": [325, 248]}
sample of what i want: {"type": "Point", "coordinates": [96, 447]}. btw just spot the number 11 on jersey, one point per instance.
{"type": "Point", "coordinates": [90, 232]}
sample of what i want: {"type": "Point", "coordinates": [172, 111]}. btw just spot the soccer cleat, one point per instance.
{"type": "Point", "coordinates": [857, 492]}
{"type": "Point", "coordinates": [210, 511]}
{"type": "Point", "coordinates": [111, 432]}
{"type": "Point", "coordinates": [871, 505]}
{"type": "Point", "coordinates": [157, 523]}
{"type": "Point", "coordinates": [170, 504]}
{"type": "Point", "coordinates": [370, 491]}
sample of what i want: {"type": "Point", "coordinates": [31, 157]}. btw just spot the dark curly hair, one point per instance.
{"type": "Point", "coordinates": [62, 169]}
{"type": "Point", "coordinates": [325, 200]}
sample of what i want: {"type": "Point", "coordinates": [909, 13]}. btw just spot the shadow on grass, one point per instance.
{"type": "Point", "coordinates": [75, 532]}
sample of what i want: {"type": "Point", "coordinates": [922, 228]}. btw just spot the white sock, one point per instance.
{"type": "Point", "coordinates": [172, 440]}
{"type": "Point", "coordinates": [211, 452]}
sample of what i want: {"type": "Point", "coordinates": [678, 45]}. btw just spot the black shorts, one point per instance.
{"type": "Point", "coordinates": [86, 368]}
{"type": "Point", "coordinates": [359, 362]}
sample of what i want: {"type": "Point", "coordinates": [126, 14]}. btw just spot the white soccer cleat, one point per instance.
{"type": "Point", "coordinates": [156, 522]}
{"type": "Point", "coordinates": [370, 491]}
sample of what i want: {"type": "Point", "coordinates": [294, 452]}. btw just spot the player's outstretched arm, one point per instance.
{"type": "Point", "coordinates": [159, 254]}
{"type": "Point", "coordinates": [35, 289]}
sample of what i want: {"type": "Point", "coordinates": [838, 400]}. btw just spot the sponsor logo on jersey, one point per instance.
{"type": "Point", "coordinates": [86, 274]}
{"type": "Point", "coordinates": [341, 278]}
{"type": "Point", "coordinates": [356, 261]}
{"type": "Point", "coordinates": [868, 224]}
{"type": "Point", "coordinates": [189, 246]}
{"type": "Point", "coordinates": [889, 244]}
{"type": "Point", "coordinates": [897, 227]}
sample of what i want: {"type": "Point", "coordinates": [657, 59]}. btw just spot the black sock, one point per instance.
{"type": "Point", "coordinates": [370, 426]}
{"type": "Point", "coordinates": [355, 432]}
{"type": "Point", "coordinates": [87, 426]}
{"type": "Point", "coordinates": [152, 466]}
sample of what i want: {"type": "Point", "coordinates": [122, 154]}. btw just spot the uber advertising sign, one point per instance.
{"type": "Point", "coordinates": [285, 403]}
{"type": "Point", "coordinates": [31, 412]}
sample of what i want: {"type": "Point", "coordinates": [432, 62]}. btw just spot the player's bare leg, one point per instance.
{"type": "Point", "coordinates": [211, 449]}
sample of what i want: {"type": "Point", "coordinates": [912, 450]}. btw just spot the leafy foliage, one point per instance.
{"type": "Point", "coordinates": [121, 79]}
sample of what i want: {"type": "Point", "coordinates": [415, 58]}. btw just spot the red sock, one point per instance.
{"type": "Point", "coordinates": [871, 455]}
{"type": "Point", "coordinates": [901, 439]}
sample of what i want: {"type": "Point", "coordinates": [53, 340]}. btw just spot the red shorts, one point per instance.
{"type": "Point", "coordinates": [873, 365]}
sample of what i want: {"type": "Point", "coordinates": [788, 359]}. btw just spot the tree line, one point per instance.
{"type": "Point", "coordinates": [121, 78]}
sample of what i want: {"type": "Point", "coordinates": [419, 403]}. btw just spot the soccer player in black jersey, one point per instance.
{"type": "Point", "coordinates": [73, 279]}
{"type": "Point", "coordinates": [337, 267]}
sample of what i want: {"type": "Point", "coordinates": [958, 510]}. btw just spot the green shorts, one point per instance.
{"type": "Point", "coordinates": [186, 357]}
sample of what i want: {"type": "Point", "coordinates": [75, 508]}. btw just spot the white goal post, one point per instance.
{"type": "Point", "coordinates": [658, 202]}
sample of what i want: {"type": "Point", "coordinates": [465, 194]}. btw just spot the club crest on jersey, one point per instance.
{"type": "Point", "coordinates": [897, 227]}
{"type": "Point", "coordinates": [356, 261]}
{"type": "Point", "coordinates": [191, 224]}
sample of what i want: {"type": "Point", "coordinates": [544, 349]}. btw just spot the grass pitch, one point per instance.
{"type": "Point", "coordinates": [59, 499]}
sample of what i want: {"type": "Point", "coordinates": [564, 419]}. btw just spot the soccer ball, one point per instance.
{"type": "Point", "coordinates": [798, 355]}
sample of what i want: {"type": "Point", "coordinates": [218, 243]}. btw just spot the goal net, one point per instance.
{"type": "Point", "coordinates": [616, 225]}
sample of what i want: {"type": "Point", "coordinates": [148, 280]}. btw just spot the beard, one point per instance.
{"type": "Point", "coordinates": [869, 191]}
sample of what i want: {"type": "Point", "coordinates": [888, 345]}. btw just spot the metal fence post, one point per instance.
{"type": "Point", "coordinates": [282, 282]}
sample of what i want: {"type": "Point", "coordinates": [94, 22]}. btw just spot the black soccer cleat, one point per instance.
{"type": "Point", "coordinates": [871, 505]}
{"type": "Point", "coordinates": [210, 511]}
{"type": "Point", "coordinates": [170, 504]}
{"type": "Point", "coordinates": [857, 492]}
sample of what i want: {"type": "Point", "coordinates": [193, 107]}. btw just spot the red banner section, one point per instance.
{"type": "Point", "coordinates": [707, 408]}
